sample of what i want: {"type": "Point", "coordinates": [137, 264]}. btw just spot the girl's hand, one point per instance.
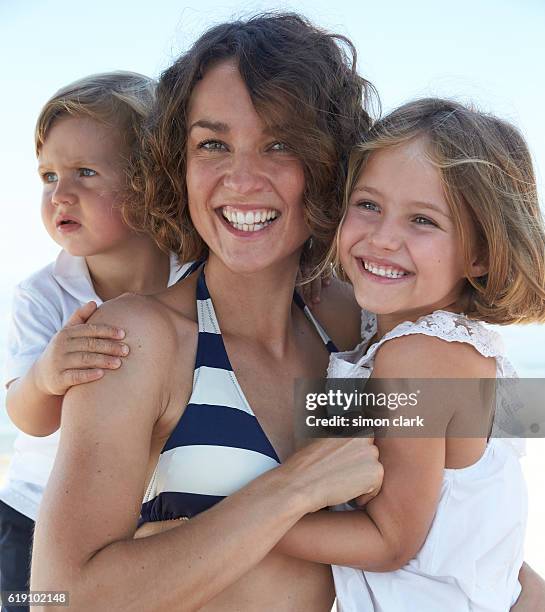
{"type": "Point", "coordinates": [335, 470]}
{"type": "Point", "coordinates": [311, 292]}
{"type": "Point", "coordinates": [79, 353]}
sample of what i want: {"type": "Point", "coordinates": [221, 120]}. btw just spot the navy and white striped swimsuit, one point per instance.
{"type": "Point", "coordinates": [218, 445]}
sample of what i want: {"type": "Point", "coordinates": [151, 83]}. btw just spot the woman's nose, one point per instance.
{"type": "Point", "coordinates": [245, 175]}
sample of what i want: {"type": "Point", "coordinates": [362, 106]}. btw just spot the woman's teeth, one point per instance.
{"type": "Point", "coordinates": [251, 221]}
{"type": "Point", "coordinates": [382, 271]}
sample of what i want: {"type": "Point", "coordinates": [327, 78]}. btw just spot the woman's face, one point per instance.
{"type": "Point", "coordinates": [245, 187]}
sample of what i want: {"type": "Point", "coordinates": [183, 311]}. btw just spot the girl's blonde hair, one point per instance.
{"type": "Point", "coordinates": [121, 100]}
{"type": "Point", "coordinates": [485, 166]}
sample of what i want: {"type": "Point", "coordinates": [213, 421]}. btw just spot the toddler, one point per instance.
{"type": "Point", "coordinates": [86, 138]}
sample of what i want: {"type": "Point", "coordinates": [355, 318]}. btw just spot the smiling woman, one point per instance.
{"type": "Point", "coordinates": [256, 120]}
{"type": "Point", "coordinates": [312, 109]}
{"type": "Point", "coordinates": [237, 166]}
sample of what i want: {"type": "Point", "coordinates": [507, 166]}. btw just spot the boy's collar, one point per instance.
{"type": "Point", "coordinates": [73, 276]}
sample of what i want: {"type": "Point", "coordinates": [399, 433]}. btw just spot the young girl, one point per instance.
{"type": "Point", "coordinates": [86, 135]}
{"type": "Point", "coordinates": [442, 232]}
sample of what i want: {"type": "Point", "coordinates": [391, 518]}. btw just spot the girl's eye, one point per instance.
{"type": "Point", "coordinates": [87, 172]}
{"type": "Point", "coordinates": [211, 145]}
{"type": "Point", "coordinates": [424, 221]}
{"type": "Point", "coordinates": [49, 177]}
{"type": "Point", "coordinates": [366, 205]}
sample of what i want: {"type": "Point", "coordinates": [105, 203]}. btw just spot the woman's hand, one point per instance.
{"type": "Point", "coordinates": [336, 470]}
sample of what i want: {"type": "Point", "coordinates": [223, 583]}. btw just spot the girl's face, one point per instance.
{"type": "Point", "coordinates": [80, 168]}
{"type": "Point", "coordinates": [398, 243]}
{"type": "Point", "coordinates": [245, 187]}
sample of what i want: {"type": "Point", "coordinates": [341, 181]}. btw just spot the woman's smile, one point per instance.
{"type": "Point", "coordinates": [245, 186]}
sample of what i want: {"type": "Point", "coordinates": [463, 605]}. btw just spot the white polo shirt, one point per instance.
{"type": "Point", "coordinates": [42, 305]}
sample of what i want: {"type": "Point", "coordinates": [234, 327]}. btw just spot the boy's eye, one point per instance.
{"type": "Point", "coordinates": [86, 172]}
{"type": "Point", "coordinates": [211, 145]}
{"type": "Point", "coordinates": [49, 177]}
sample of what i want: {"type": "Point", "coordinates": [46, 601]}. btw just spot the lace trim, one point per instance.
{"type": "Point", "coordinates": [448, 326]}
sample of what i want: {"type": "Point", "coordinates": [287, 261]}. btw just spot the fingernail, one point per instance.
{"type": "Point", "coordinates": [116, 362]}
{"type": "Point", "coordinates": [124, 349]}
{"type": "Point", "coordinates": [120, 333]}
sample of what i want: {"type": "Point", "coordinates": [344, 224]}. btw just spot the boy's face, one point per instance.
{"type": "Point", "coordinates": [83, 182]}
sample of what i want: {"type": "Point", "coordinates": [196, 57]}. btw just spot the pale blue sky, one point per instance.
{"type": "Point", "coordinates": [490, 51]}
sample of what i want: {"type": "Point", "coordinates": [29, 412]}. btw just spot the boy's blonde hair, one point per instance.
{"type": "Point", "coordinates": [121, 100]}
{"type": "Point", "coordinates": [485, 166]}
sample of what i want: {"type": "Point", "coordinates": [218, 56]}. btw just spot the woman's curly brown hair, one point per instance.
{"type": "Point", "coordinates": [298, 76]}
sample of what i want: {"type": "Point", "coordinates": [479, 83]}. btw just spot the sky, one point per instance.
{"type": "Point", "coordinates": [490, 52]}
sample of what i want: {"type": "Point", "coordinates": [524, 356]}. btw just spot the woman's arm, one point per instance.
{"type": "Point", "coordinates": [396, 522]}
{"type": "Point", "coordinates": [83, 540]}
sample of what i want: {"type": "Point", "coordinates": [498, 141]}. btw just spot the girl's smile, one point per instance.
{"type": "Point", "coordinates": [398, 242]}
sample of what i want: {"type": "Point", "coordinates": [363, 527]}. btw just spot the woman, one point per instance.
{"type": "Point", "coordinates": [243, 163]}
{"type": "Point", "coordinates": [243, 132]}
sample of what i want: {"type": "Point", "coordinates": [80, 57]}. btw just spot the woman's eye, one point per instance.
{"type": "Point", "coordinates": [279, 146]}
{"type": "Point", "coordinates": [366, 205]}
{"type": "Point", "coordinates": [87, 172]}
{"type": "Point", "coordinates": [424, 221]}
{"type": "Point", "coordinates": [212, 145]}
{"type": "Point", "coordinates": [49, 177]}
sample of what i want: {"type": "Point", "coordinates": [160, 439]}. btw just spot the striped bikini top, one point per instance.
{"type": "Point", "coordinates": [218, 445]}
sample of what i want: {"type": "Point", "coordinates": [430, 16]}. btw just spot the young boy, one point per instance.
{"type": "Point", "coordinates": [86, 138]}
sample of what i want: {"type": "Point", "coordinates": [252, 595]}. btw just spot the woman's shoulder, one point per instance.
{"type": "Point", "coordinates": [150, 322]}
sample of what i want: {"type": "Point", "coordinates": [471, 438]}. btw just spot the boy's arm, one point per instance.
{"type": "Point", "coordinates": [71, 356]}
{"type": "Point", "coordinates": [397, 521]}
{"type": "Point", "coordinates": [31, 410]}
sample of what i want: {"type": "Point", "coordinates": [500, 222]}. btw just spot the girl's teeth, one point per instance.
{"type": "Point", "coordinates": [381, 271]}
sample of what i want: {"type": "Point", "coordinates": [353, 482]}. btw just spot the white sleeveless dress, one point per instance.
{"type": "Point", "coordinates": [474, 549]}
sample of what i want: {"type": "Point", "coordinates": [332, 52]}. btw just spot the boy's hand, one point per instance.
{"type": "Point", "coordinates": [79, 353]}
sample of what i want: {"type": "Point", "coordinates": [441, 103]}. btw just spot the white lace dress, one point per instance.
{"type": "Point", "coordinates": [474, 549]}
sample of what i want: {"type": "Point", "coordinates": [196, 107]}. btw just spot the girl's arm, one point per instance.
{"type": "Point", "coordinates": [83, 541]}
{"type": "Point", "coordinates": [396, 522]}
{"type": "Point", "coordinates": [532, 597]}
